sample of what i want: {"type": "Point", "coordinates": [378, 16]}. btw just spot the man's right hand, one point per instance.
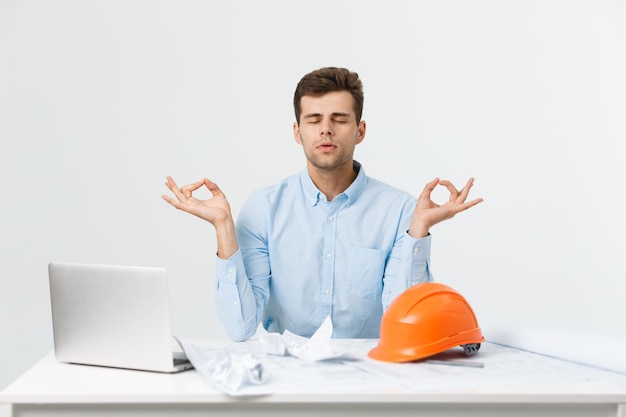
{"type": "Point", "coordinates": [215, 210]}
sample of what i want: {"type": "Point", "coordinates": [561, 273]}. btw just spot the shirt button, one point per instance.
{"type": "Point", "coordinates": [416, 250]}
{"type": "Point", "coordinates": [327, 291]}
{"type": "Point", "coordinates": [235, 303]}
{"type": "Point", "coordinates": [329, 255]}
{"type": "Point", "coordinates": [331, 218]}
{"type": "Point", "coordinates": [230, 270]}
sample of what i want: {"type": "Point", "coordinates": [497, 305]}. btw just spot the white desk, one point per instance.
{"type": "Point", "coordinates": [50, 388]}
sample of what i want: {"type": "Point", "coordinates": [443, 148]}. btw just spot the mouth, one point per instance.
{"type": "Point", "coordinates": [326, 146]}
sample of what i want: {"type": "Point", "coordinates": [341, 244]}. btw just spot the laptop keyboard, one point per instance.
{"type": "Point", "coordinates": [179, 361]}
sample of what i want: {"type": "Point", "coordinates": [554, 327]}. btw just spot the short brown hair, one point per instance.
{"type": "Point", "coordinates": [325, 80]}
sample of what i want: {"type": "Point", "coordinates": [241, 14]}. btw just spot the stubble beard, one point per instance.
{"type": "Point", "coordinates": [328, 162]}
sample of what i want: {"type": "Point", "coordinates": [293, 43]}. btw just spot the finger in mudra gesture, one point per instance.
{"type": "Point", "coordinates": [428, 213]}
{"type": "Point", "coordinates": [214, 210]}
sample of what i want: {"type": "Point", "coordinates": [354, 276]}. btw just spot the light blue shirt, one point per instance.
{"type": "Point", "coordinates": [302, 258]}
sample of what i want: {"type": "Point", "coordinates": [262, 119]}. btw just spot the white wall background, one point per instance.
{"type": "Point", "coordinates": [99, 101]}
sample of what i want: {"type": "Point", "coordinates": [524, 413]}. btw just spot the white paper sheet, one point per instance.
{"type": "Point", "coordinates": [599, 350]}
{"type": "Point", "coordinates": [502, 367]}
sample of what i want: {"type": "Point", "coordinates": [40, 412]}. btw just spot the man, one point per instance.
{"type": "Point", "coordinates": [327, 242]}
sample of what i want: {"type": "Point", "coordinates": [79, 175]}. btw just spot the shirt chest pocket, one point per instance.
{"type": "Point", "coordinates": [365, 271]}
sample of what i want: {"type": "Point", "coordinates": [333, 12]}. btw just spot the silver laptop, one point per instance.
{"type": "Point", "coordinates": [116, 316]}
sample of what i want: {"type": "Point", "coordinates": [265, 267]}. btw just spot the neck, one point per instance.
{"type": "Point", "coordinates": [333, 182]}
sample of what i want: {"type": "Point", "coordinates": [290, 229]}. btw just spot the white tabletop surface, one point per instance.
{"type": "Point", "coordinates": [508, 375]}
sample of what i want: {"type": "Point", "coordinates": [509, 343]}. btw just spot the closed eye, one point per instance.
{"type": "Point", "coordinates": [312, 119]}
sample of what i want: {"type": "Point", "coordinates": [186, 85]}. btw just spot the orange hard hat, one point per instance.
{"type": "Point", "coordinates": [424, 320]}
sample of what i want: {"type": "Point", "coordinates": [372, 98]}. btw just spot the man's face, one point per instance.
{"type": "Point", "coordinates": [328, 130]}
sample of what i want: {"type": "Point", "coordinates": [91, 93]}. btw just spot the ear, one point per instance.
{"type": "Point", "coordinates": [296, 133]}
{"type": "Point", "coordinates": [361, 132]}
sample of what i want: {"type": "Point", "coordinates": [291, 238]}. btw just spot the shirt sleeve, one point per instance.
{"type": "Point", "coordinates": [408, 262]}
{"type": "Point", "coordinates": [242, 281]}
{"type": "Point", "coordinates": [236, 306]}
{"type": "Point", "coordinates": [416, 254]}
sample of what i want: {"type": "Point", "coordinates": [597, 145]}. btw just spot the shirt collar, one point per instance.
{"type": "Point", "coordinates": [314, 195]}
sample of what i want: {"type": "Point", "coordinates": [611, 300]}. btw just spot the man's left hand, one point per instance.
{"type": "Point", "coordinates": [428, 213]}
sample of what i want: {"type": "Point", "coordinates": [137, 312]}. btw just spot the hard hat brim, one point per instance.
{"type": "Point", "coordinates": [410, 354]}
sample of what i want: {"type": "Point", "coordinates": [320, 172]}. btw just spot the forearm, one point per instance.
{"type": "Point", "coordinates": [242, 271]}
{"type": "Point", "coordinates": [226, 238]}
{"type": "Point", "coordinates": [418, 229]}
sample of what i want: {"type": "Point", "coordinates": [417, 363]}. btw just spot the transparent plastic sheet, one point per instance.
{"type": "Point", "coordinates": [227, 371]}
{"type": "Point", "coordinates": [235, 370]}
{"type": "Point", "coordinates": [230, 371]}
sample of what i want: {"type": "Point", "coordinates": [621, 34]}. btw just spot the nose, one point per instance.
{"type": "Point", "coordinates": [326, 131]}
